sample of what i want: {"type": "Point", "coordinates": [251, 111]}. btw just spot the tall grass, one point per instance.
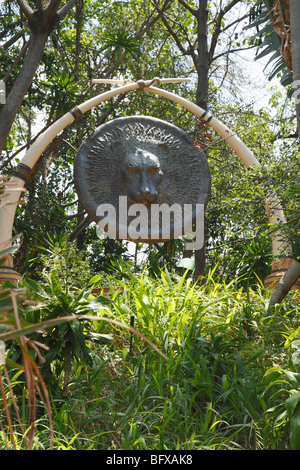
{"type": "Point", "coordinates": [224, 383]}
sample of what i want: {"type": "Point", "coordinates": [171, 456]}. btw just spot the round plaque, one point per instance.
{"type": "Point", "coordinates": [142, 179]}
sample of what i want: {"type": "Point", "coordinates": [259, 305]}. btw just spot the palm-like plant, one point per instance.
{"type": "Point", "coordinates": [272, 20]}
{"type": "Point", "coordinates": [119, 42]}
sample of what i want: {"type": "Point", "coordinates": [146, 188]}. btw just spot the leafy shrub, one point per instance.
{"type": "Point", "coordinates": [63, 257]}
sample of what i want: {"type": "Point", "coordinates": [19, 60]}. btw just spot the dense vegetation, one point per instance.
{"type": "Point", "coordinates": [229, 379]}
{"type": "Point", "coordinates": [106, 346]}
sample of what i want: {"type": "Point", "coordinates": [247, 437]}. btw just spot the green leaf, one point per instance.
{"type": "Point", "coordinates": [5, 304]}
{"type": "Point", "coordinates": [61, 329]}
{"type": "Point", "coordinates": [99, 302]}
{"type": "Point", "coordinates": [7, 251]}
{"type": "Point", "coordinates": [100, 337]}
{"type": "Point", "coordinates": [55, 284]}
{"type": "Point", "coordinates": [291, 403]}
{"type": "Point", "coordinates": [94, 279]}
{"type": "Point", "coordinates": [14, 365]}
{"type": "Point", "coordinates": [295, 430]}
{"type": "Point", "coordinates": [35, 287]}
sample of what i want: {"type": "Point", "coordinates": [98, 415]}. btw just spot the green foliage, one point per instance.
{"type": "Point", "coordinates": [64, 259]}
{"type": "Point", "coordinates": [230, 380]}
{"type": "Point", "coordinates": [63, 92]}
{"type": "Point", "coordinates": [88, 44]}
{"type": "Point", "coordinates": [120, 41]}
{"type": "Point", "coordinates": [284, 416]}
{"type": "Point", "coordinates": [66, 341]}
{"type": "Point", "coordinates": [270, 42]}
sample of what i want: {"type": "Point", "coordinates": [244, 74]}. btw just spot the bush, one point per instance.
{"type": "Point", "coordinates": [227, 378]}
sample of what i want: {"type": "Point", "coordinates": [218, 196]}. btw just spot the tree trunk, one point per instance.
{"type": "Point", "coordinates": [21, 85]}
{"type": "Point", "coordinates": [295, 33]}
{"type": "Point", "coordinates": [79, 10]}
{"type": "Point", "coordinates": [202, 101]}
{"type": "Point", "coordinates": [203, 55]}
{"type": "Point", "coordinates": [42, 22]}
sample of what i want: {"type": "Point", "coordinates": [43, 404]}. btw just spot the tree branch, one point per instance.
{"type": "Point", "coordinates": [233, 50]}
{"type": "Point", "coordinates": [188, 7]}
{"type": "Point", "coordinates": [39, 4]}
{"type": "Point", "coordinates": [285, 284]}
{"type": "Point", "coordinates": [170, 29]}
{"type": "Point", "coordinates": [218, 22]}
{"type": "Point", "coordinates": [73, 216]}
{"type": "Point", "coordinates": [14, 39]}
{"type": "Point", "coordinates": [65, 9]}
{"type": "Point", "coordinates": [174, 35]}
{"type": "Point", "coordinates": [16, 61]}
{"type": "Point", "coordinates": [230, 5]}
{"type": "Point", "coordinates": [234, 22]}
{"type": "Point", "coordinates": [26, 9]}
{"type": "Point", "coordinates": [82, 226]}
{"type": "Point", "coordinates": [52, 6]}
{"type": "Point", "coordinates": [9, 27]}
{"type": "Point", "coordinates": [69, 204]}
{"type": "Point", "coordinates": [41, 25]}
{"type": "Point", "coordinates": [150, 22]}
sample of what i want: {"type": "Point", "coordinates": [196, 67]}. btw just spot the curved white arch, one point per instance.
{"type": "Point", "coordinates": [243, 152]}
{"type": "Point", "coordinates": [9, 203]}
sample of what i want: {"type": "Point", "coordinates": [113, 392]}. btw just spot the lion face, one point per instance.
{"type": "Point", "coordinates": [148, 160]}
{"type": "Point", "coordinates": [141, 175]}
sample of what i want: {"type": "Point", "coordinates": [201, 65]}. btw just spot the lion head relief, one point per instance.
{"type": "Point", "coordinates": [146, 159]}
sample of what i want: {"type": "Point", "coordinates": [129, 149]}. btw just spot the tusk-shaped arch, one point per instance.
{"type": "Point", "coordinates": [9, 203]}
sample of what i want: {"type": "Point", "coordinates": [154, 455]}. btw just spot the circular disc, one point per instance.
{"type": "Point", "coordinates": [102, 162]}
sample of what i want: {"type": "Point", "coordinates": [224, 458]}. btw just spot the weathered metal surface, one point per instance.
{"type": "Point", "coordinates": [146, 159]}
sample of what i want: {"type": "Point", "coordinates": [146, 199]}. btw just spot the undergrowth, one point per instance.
{"type": "Point", "coordinates": [230, 377]}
